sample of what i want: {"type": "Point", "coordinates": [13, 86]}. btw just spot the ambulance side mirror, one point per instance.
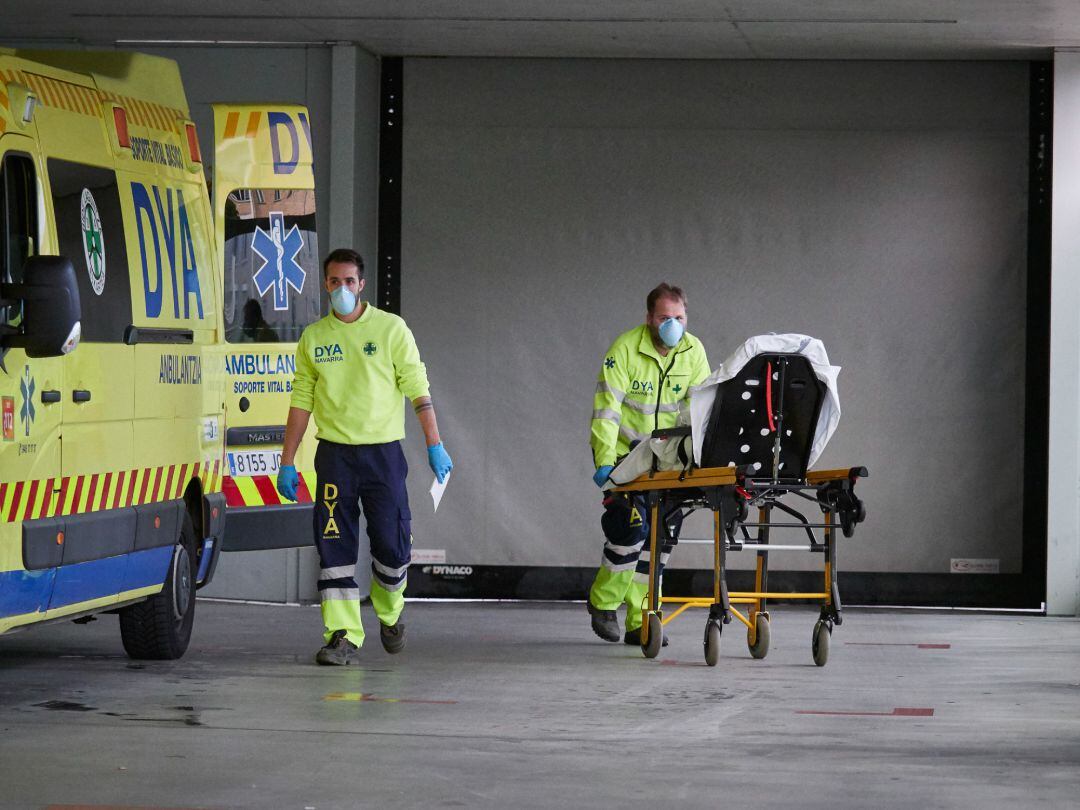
{"type": "Point", "coordinates": [51, 314]}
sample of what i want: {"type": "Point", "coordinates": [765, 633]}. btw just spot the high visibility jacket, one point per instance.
{"type": "Point", "coordinates": [639, 390]}
{"type": "Point", "coordinates": [352, 377]}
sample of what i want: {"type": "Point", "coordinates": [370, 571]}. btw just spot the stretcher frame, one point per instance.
{"type": "Point", "coordinates": [729, 493]}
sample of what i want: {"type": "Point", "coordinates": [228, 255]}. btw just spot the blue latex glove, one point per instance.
{"type": "Point", "coordinates": [439, 461]}
{"type": "Point", "coordinates": [601, 475]}
{"type": "Point", "coordinates": [287, 482]}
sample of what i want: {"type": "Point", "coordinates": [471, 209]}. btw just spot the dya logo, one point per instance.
{"type": "Point", "coordinates": [93, 241]}
{"type": "Point", "coordinates": [279, 270]}
{"type": "Point", "coordinates": [26, 388]}
{"type": "Point", "coordinates": [642, 387]}
{"type": "Point", "coordinates": [325, 354]}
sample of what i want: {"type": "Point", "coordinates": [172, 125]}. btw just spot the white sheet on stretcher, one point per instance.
{"type": "Point", "coordinates": [666, 451]}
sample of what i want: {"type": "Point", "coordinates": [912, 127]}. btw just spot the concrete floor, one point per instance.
{"type": "Point", "coordinates": [509, 705]}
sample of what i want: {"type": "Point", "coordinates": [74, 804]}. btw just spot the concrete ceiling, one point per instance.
{"type": "Point", "coordinates": [688, 29]}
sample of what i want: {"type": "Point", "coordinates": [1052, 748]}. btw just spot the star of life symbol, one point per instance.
{"type": "Point", "coordinates": [279, 270]}
{"type": "Point", "coordinates": [26, 388]}
{"type": "Point", "coordinates": [370, 348]}
{"type": "Point", "coordinates": [93, 241]}
{"type": "Point", "coordinates": [609, 363]}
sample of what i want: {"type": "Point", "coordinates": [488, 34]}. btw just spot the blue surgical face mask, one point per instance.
{"type": "Point", "coordinates": [671, 332]}
{"type": "Point", "coordinates": [343, 300]}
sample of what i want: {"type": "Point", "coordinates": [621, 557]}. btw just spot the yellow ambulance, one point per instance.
{"type": "Point", "coordinates": [146, 338]}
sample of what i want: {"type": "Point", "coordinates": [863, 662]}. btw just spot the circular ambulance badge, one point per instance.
{"type": "Point", "coordinates": [93, 241]}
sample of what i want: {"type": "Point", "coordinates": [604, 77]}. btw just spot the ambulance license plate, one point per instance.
{"type": "Point", "coordinates": [255, 462]}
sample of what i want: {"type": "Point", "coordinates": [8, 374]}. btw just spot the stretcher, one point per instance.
{"type": "Point", "coordinates": [758, 440]}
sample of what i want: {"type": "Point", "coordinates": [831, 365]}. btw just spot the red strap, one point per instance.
{"type": "Point", "coordinates": [768, 397]}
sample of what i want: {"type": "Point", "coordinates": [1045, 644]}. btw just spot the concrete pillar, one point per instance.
{"type": "Point", "coordinates": [342, 148]}
{"type": "Point", "coordinates": [1063, 525]}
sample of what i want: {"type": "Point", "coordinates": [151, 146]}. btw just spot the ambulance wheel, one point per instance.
{"type": "Point", "coordinates": [760, 647]}
{"type": "Point", "coordinates": [160, 628]}
{"type": "Point", "coordinates": [712, 643]}
{"type": "Point", "coordinates": [820, 643]}
{"type": "Point", "coordinates": [651, 648]}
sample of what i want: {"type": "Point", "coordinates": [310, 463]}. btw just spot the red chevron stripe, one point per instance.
{"type": "Point", "coordinates": [131, 487]}
{"type": "Point", "coordinates": [167, 494]}
{"type": "Point", "coordinates": [118, 493]}
{"type": "Point", "coordinates": [266, 489]}
{"type": "Point", "coordinates": [232, 493]}
{"type": "Point", "coordinates": [46, 498]}
{"type": "Point", "coordinates": [30, 500]}
{"type": "Point", "coordinates": [303, 494]}
{"type": "Point", "coordinates": [142, 489]}
{"type": "Point", "coordinates": [16, 498]}
{"type": "Point", "coordinates": [91, 492]}
{"type": "Point", "coordinates": [105, 491]}
{"type": "Point", "coordinates": [155, 493]}
{"type": "Point", "coordinates": [78, 492]}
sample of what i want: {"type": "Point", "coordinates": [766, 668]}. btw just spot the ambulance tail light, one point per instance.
{"type": "Point", "coordinates": [120, 121]}
{"type": "Point", "coordinates": [192, 143]}
{"type": "Point", "coordinates": [120, 133]}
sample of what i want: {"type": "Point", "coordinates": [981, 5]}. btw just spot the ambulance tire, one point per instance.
{"type": "Point", "coordinates": [159, 629]}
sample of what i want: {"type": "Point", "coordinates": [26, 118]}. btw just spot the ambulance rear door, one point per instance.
{"type": "Point", "coordinates": [264, 209]}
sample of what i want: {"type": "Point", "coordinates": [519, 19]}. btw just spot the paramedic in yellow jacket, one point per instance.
{"type": "Point", "coordinates": [353, 368]}
{"type": "Point", "coordinates": [646, 373]}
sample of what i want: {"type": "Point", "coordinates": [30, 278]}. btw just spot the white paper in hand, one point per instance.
{"type": "Point", "coordinates": [437, 490]}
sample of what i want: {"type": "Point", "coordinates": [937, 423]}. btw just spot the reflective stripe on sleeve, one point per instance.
{"type": "Point", "coordinates": [606, 388]}
{"type": "Point", "coordinates": [607, 413]}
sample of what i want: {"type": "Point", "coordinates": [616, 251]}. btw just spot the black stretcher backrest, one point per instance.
{"type": "Point", "coordinates": [738, 432]}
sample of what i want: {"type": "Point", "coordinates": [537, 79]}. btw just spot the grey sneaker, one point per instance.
{"type": "Point", "coordinates": [339, 651]}
{"type": "Point", "coordinates": [604, 622]}
{"type": "Point", "coordinates": [634, 637]}
{"type": "Point", "coordinates": [392, 637]}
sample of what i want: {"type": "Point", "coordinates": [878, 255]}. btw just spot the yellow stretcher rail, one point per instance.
{"type": "Point", "coordinates": [729, 493]}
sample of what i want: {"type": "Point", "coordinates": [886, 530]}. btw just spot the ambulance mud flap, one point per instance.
{"type": "Point", "coordinates": [213, 534]}
{"type": "Point", "coordinates": [254, 528]}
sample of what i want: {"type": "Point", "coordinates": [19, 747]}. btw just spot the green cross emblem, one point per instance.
{"type": "Point", "coordinates": [92, 235]}
{"type": "Point", "coordinates": [370, 348]}
{"type": "Point", "coordinates": [677, 388]}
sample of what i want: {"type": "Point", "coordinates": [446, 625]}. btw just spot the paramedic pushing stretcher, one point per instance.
{"type": "Point", "coordinates": [646, 373]}
{"type": "Point", "coordinates": [352, 369]}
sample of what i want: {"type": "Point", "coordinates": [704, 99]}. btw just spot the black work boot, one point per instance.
{"type": "Point", "coordinates": [634, 637]}
{"type": "Point", "coordinates": [339, 651]}
{"type": "Point", "coordinates": [604, 623]}
{"type": "Point", "coordinates": [392, 637]}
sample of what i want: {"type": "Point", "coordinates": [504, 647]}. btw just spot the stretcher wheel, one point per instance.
{"type": "Point", "coordinates": [760, 647]}
{"type": "Point", "coordinates": [820, 644]}
{"type": "Point", "coordinates": [651, 648]}
{"type": "Point", "coordinates": [712, 643]}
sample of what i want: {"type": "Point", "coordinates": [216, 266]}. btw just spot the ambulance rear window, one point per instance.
{"type": "Point", "coordinates": [272, 274]}
{"type": "Point", "coordinates": [18, 225]}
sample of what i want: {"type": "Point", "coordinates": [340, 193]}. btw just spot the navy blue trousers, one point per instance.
{"type": "Point", "coordinates": [348, 477]}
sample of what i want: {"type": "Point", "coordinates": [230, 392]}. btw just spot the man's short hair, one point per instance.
{"type": "Point", "coordinates": [344, 256]}
{"type": "Point", "coordinates": [664, 290]}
